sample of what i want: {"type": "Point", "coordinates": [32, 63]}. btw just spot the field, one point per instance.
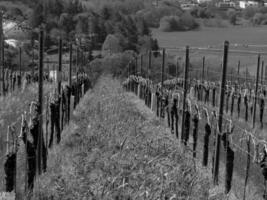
{"type": "Point", "coordinates": [214, 38]}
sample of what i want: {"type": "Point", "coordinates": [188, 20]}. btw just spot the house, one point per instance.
{"type": "Point", "coordinates": [188, 6]}
{"type": "Point", "coordinates": [203, 1]}
{"type": "Point", "coordinates": [245, 4]}
{"type": "Point", "coordinates": [226, 5]}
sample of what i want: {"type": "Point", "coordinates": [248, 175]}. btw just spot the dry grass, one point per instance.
{"type": "Point", "coordinates": [112, 151]}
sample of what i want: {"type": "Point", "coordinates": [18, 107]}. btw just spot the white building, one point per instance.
{"type": "Point", "coordinates": [204, 1]}
{"type": "Point", "coordinates": [245, 4]}
{"type": "Point", "coordinates": [188, 6]}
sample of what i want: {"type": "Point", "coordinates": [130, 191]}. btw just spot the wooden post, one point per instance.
{"type": "Point", "coordinates": [70, 81]}
{"type": "Point", "coordinates": [77, 57]}
{"type": "Point", "coordinates": [218, 134]}
{"type": "Point", "coordinates": [33, 59]}
{"type": "Point", "coordinates": [26, 159]}
{"type": "Point", "coordinates": [20, 61]}
{"type": "Point", "coordinates": [185, 90]}
{"type": "Point", "coordinates": [7, 139]}
{"type": "Point", "coordinates": [48, 67]}
{"type": "Point", "coordinates": [256, 91]}
{"type": "Point", "coordinates": [207, 73]}
{"type": "Point", "coordinates": [162, 80]}
{"type": "Point", "coordinates": [70, 64]}
{"type": "Point", "coordinates": [162, 70]}
{"type": "Point", "coordinates": [149, 64]}
{"type": "Point", "coordinates": [59, 80]}
{"type": "Point", "coordinates": [177, 65]}
{"type": "Point", "coordinates": [15, 142]}
{"type": "Point", "coordinates": [232, 72]}
{"type": "Point", "coordinates": [238, 71]}
{"type": "Point", "coordinates": [40, 101]}
{"type": "Point", "coordinates": [203, 68]}
{"type": "Point", "coordinates": [2, 52]}
{"type": "Point", "coordinates": [262, 72]}
{"type": "Point", "coordinates": [141, 64]}
{"type": "Point", "coordinates": [128, 75]}
{"type": "Point", "coordinates": [135, 66]}
{"type": "Point", "coordinates": [246, 75]}
{"type": "Point", "coordinates": [59, 65]}
{"type": "Point", "coordinates": [253, 124]}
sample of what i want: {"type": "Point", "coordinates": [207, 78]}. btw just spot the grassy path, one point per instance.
{"type": "Point", "coordinates": [115, 148]}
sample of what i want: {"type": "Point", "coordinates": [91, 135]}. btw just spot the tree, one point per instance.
{"type": "Point", "coordinates": [66, 23]}
{"type": "Point", "coordinates": [232, 15]}
{"type": "Point", "coordinates": [106, 12]}
{"type": "Point", "coordinates": [37, 17]}
{"type": "Point", "coordinates": [112, 45]}
{"type": "Point", "coordinates": [142, 26]}
{"type": "Point", "coordinates": [258, 18]}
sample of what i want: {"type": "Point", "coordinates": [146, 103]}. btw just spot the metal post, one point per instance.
{"type": "Point", "coordinates": [218, 134]}
{"type": "Point", "coordinates": [40, 101]}
{"type": "Point", "coordinates": [185, 89]}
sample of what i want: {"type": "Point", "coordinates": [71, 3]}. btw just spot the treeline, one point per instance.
{"type": "Point", "coordinates": [112, 26]}
{"type": "Point", "coordinates": [90, 22]}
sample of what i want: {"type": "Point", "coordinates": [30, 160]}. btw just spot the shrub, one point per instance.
{"type": "Point", "coordinates": [258, 17]}
{"type": "Point", "coordinates": [111, 45]}
{"type": "Point", "coordinates": [170, 23]}
{"type": "Point", "coordinates": [174, 23]}
{"type": "Point", "coordinates": [201, 13]}
{"type": "Point", "coordinates": [153, 16]}
{"type": "Point", "coordinates": [232, 15]}
{"type": "Point", "coordinates": [214, 22]}
{"type": "Point", "coordinates": [249, 12]}
{"type": "Point", "coordinates": [188, 22]}
{"type": "Point", "coordinates": [113, 64]}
